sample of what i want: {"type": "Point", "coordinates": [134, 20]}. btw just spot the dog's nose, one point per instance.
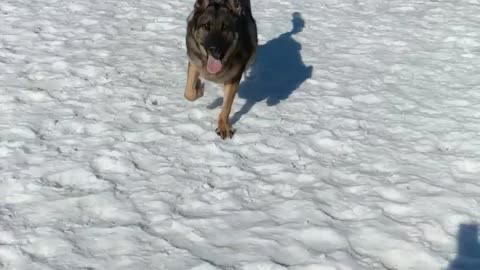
{"type": "Point", "coordinates": [215, 52]}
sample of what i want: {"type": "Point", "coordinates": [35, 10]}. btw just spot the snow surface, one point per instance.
{"type": "Point", "coordinates": [357, 143]}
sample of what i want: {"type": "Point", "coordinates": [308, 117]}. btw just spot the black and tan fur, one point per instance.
{"type": "Point", "coordinates": [226, 29]}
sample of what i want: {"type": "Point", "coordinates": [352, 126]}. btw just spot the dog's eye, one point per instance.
{"type": "Point", "coordinates": [225, 27]}
{"type": "Point", "coordinates": [206, 26]}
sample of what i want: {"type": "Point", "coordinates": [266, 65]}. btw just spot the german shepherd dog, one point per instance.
{"type": "Point", "coordinates": [221, 43]}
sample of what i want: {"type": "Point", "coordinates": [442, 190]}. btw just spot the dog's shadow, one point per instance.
{"type": "Point", "coordinates": [468, 255]}
{"type": "Point", "coordinates": [277, 72]}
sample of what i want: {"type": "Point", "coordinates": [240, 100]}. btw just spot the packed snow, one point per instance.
{"type": "Point", "coordinates": [357, 143]}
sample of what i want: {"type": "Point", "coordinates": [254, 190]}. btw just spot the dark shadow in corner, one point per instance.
{"type": "Point", "coordinates": [277, 72]}
{"type": "Point", "coordinates": [468, 254]}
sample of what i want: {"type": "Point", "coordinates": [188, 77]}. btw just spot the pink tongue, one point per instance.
{"type": "Point", "coordinates": [213, 65]}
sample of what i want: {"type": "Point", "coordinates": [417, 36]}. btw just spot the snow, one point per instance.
{"type": "Point", "coordinates": [357, 143]}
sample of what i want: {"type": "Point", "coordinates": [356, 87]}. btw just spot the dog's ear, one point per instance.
{"type": "Point", "coordinates": [202, 4]}
{"type": "Point", "coordinates": [234, 6]}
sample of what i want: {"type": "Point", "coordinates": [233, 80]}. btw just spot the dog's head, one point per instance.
{"type": "Point", "coordinates": [217, 30]}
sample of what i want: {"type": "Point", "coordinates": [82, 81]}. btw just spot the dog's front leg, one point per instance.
{"type": "Point", "coordinates": [194, 88]}
{"type": "Point", "coordinates": [224, 130]}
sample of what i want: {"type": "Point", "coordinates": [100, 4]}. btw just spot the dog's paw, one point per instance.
{"type": "Point", "coordinates": [225, 132]}
{"type": "Point", "coordinates": [194, 94]}
{"type": "Point", "coordinates": [190, 95]}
